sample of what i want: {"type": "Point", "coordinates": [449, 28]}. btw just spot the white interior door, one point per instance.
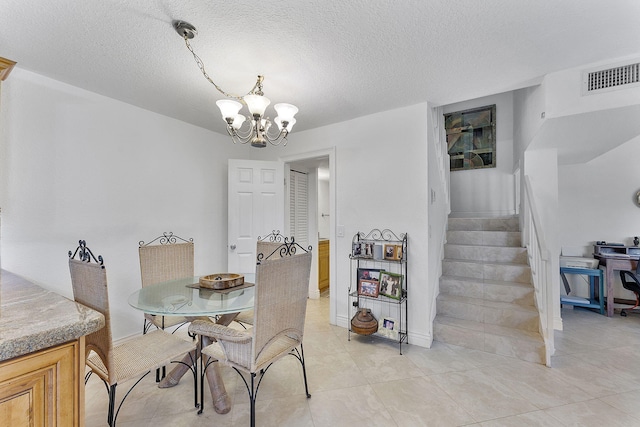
{"type": "Point", "coordinates": [256, 208]}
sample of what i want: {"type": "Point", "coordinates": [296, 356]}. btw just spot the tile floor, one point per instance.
{"type": "Point", "coordinates": [594, 381]}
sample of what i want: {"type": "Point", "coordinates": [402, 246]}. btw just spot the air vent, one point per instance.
{"type": "Point", "coordinates": [611, 78]}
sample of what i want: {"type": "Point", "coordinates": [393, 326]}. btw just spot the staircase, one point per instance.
{"type": "Point", "coordinates": [486, 299]}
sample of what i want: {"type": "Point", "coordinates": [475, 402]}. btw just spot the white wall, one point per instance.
{"type": "Point", "coordinates": [76, 165]}
{"type": "Point", "coordinates": [487, 192]}
{"type": "Point", "coordinates": [438, 170]}
{"type": "Point", "coordinates": [323, 208]}
{"type": "Point", "coordinates": [381, 182]}
{"type": "Point", "coordinates": [596, 202]}
{"type": "Point", "coordinates": [564, 91]}
{"type": "Point", "coordinates": [528, 106]}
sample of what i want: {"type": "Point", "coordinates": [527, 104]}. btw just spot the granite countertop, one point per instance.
{"type": "Point", "coordinates": [33, 318]}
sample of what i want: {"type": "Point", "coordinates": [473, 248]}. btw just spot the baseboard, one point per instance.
{"type": "Point", "coordinates": [420, 340]}
{"type": "Point", "coordinates": [342, 321]}
{"type": "Point", "coordinates": [557, 323]}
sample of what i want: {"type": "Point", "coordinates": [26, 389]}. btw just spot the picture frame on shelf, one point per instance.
{"type": "Point", "coordinates": [398, 252]}
{"type": "Point", "coordinates": [368, 288]}
{"type": "Point", "coordinates": [369, 274]}
{"type": "Point", "coordinates": [357, 249]}
{"type": "Point", "coordinates": [387, 327]}
{"type": "Point", "coordinates": [366, 250]}
{"type": "Point", "coordinates": [389, 251]}
{"type": "Point", "coordinates": [390, 285]}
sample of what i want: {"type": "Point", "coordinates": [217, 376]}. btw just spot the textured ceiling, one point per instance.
{"type": "Point", "coordinates": [335, 60]}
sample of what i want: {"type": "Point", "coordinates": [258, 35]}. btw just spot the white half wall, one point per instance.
{"type": "Point", "coordinates": [541, 166]}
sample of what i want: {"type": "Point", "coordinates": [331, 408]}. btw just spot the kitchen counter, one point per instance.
{"type": "Point", "coordinates": [33, 318]}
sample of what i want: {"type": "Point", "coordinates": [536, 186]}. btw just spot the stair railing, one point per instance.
{"type": "Point", "coordinates": [538, 254]}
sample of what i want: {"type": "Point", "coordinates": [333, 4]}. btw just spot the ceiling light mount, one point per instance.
{"type": "Point", "coordinates": [185, 29]}
{"type": "Point", "coordinates": [258, 131]}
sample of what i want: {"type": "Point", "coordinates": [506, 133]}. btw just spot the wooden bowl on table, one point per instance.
{"type": "Point", "coordinates": [221, 280]}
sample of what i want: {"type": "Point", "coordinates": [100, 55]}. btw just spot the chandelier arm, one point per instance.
{"type": "Point", "coordinates": [277, 138]}
{"type": "Point", "coordinates": [237, 138]}
{"type": "Point", "coordinates": [243, 137]}
{"type": "Point", "coordinates": [248, 134]}
{"type": "Point", "coordinates": [257, 88]}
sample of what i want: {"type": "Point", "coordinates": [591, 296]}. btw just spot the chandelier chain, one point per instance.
{"type": "Point", "coordinates": [257, 88]}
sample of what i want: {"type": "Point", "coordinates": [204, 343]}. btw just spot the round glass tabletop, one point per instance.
{"type": "Point", "coordinates": [184, 297]}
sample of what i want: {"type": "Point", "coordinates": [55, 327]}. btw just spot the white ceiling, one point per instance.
{"type": "Point", "coordinates": [334, 59]}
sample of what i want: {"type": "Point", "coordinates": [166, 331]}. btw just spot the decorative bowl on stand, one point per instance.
{"type": "Point", "coordinates": [221, 281]}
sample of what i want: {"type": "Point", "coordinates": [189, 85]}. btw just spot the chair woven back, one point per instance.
{"type": "Point", "coordinates": [281, 291]}
{"type": "Point", "coordinates": [161, 263]}
{"type": "Point", "coordinates": [89, 281]}
{"type": "Point", "coordinates": [268, 249]}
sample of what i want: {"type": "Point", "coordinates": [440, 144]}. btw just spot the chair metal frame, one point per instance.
{"type": "Point", "coordinates": [167, 238]}
{"type": "Point", "coordinates": [100, 351]}
{"type": "Point", "coordinates": [631, 286]}
{"type": "Point", "coordinates": [286, 249]}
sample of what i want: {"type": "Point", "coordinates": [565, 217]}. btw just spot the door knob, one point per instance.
{"type": "Point", "coordinates": [232, 247]}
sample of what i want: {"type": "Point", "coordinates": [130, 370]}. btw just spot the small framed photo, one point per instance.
{"type": "Point", "coordinates": [387, 327]}
{"type": "Point", "coordinates": [366, 249]}
{"type": "Point", "coordinates": [362, 250]}
{"type": "Point", "coordinates": [357, 249]}
{"type": "Point", "coordinates": [398, 253]}
{"type": "Point", "coordinates": [389, 251]}
{"type": "Point", "coordinates": [369, 274]}
{"type": "Point", "coordinates": [391, 285]}
{"type": "Point", "coordinates": [369, 288]}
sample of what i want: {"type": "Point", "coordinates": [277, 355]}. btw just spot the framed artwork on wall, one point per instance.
{"type": "Point", "coordinates": [471, 138]}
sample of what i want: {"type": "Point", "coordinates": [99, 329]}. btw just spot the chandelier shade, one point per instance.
{"type": "Point", "coordinates": [286, 111]}
{"type": "Point", "coordinates": [258, 130]}
{"type": "Point", "coordinates": [238, 120]}
{"type": "Point", "coordinates": [256, 104]}
{"type": "Point", "coordinates": [229, 108]}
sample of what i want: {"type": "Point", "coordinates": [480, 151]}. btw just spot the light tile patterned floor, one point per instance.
{"type": "Point", "coordinates": [594, 381]}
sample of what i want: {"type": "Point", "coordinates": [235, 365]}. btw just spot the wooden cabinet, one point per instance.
{"type": "Point", "coordinates": [323, 265]}
{"type": "Point", "coordinates": [44, 388]}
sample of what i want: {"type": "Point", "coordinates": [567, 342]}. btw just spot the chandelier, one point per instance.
{"type": "Point", "coordinates": [259, 132]}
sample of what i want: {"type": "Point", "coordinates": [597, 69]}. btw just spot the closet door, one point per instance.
{"type": "Point", "coordinates": [299, 207]}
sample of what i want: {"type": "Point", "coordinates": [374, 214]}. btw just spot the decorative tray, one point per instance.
{"type": "Point", "coordinates": [221, 281]}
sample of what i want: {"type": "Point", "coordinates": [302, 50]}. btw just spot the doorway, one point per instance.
{"type": "Point", "coordinates": [318, 170]}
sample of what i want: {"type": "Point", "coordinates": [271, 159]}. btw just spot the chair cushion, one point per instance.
{"type": "Point", "coordinates": [278, 348]}
{"type": "Point", "coordinates": [141, 354]}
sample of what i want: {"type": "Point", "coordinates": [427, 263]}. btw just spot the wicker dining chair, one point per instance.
{"type": "Point", "coordinates": [135, 357]}
{"type": "Point", "coordinates": [281, 292]}
{"type": "Point", "coordinates": [266, 247]}
{"type": "Point", "coordinates": [163, 261]}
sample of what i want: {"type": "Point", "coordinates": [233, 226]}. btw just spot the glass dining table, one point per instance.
{"type": "Point", "coordinates": [184, 297]}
